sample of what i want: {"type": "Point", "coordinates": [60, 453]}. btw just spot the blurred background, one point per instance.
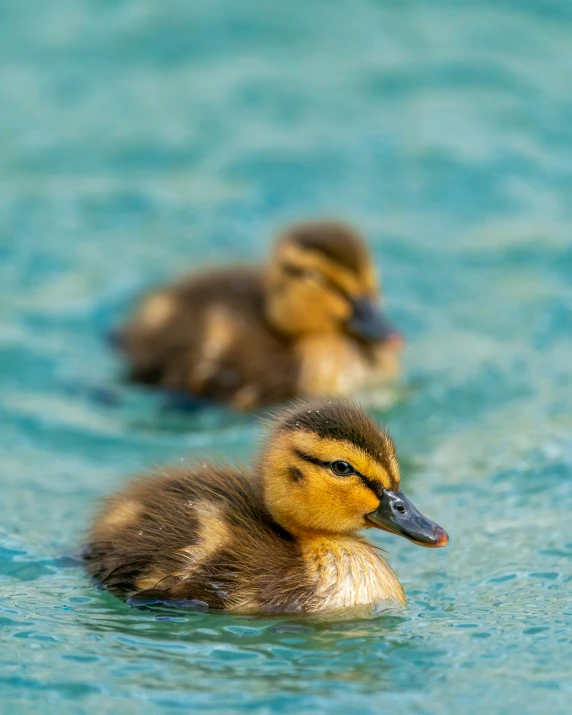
{"type": "Point", "coordinates": [138, 139]}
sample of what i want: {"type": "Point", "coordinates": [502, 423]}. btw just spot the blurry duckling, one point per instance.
{"type": "Point", "coordinates": [308, 323]}
{"type": "Point", "coordinates": [279, 537]}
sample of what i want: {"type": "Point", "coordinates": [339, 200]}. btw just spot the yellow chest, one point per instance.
{"type": "Point", "coordinates": [349, 573]}
{"type": "Point", "coordinates": [332, 364]}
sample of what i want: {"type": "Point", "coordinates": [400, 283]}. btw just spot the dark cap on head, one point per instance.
{"type": "Point", "coordinates": [341, 420]}
{"type": "Point", "coordinates": [336, 241]}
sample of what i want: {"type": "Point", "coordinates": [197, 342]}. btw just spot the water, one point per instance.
{"type": "Point", "coordinates": [141, 137]}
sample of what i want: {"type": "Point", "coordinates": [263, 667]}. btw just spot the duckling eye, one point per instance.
{"type": "Point", "coordinates": [295, 271]}
{"type": "Point", "coordinates": [342, 469]}
{"type": "Point", "coordinates": [317, 277]}
{"type": "Point", "coordinates": [292, 270]}
{"type": "Point", "coordinates": [400, 508]}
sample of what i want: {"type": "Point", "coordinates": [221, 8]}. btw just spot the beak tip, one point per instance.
{"type": "Point", "coordinates": [395, 341]}
{"type": "Point", "coordinates": [441, 537]}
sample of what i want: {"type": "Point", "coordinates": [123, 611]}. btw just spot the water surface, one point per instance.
{"type": "Point", "coordinates": [138, 138]}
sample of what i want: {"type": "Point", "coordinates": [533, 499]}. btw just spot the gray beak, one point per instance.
{"type": "Point", "coordinates": [398, 515]}
{"type": "Point", "coordinates": [368, 322]}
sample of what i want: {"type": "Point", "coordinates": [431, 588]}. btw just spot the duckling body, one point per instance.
{"type": "Point", "coordinates": [206, 535]}
{"type": "Point", "coordinates": [208, 336]}
{"type": "Point", "coordinates": [305, 324]}
{"type": "Point", "coordinates": [279, 538]}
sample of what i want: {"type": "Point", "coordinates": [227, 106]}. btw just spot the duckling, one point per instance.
{"type": "Point", "coordinates": [308, 323]}
{"type": "Point", "coordinates": [279, 537]}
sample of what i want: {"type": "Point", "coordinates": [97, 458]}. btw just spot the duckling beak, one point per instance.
{"type": "Point", "coordinates": [398, 515]}
{"type": "Point", "coordinates": [368, 322]}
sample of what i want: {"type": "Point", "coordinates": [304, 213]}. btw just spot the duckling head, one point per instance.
{"type": "Point", "coordinates": [321, 279]}
{"type": "Point", "coordinates": [330, 469]}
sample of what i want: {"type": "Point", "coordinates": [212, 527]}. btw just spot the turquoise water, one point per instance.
{"type": "Point", "coordinates": [138, 138]}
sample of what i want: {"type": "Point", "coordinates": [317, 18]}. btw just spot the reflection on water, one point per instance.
{"type": "Point", "coordinates": [142, 138]}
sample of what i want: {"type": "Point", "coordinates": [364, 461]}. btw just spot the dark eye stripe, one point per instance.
{"type": "Point", "coordinates": [313, 460]}
{"type": "Point", "coordinates": [337, 289]}
{"type": "Point", "coordinates": [374, 486]}
{"type": "Point", "coordinates": [291, 270]}
{"type": "Point", "coordinates": [297, 271]}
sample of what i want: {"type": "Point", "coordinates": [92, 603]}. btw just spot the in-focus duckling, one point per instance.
{"type": "Point", "coordinates": [279, 537]}
{"type": "Point", "coordinates": [308, 323]}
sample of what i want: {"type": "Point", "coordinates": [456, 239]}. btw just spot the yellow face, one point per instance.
{"type": "Point", "coordinates": [330, 469]}
{"type": "Point", "coordinates": [309, 293]}
{"type": "Point", "coordinates": [324, 485]}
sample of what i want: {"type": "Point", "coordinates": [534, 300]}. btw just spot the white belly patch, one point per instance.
{"type": "Point", "coordinates": [350, 573]}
